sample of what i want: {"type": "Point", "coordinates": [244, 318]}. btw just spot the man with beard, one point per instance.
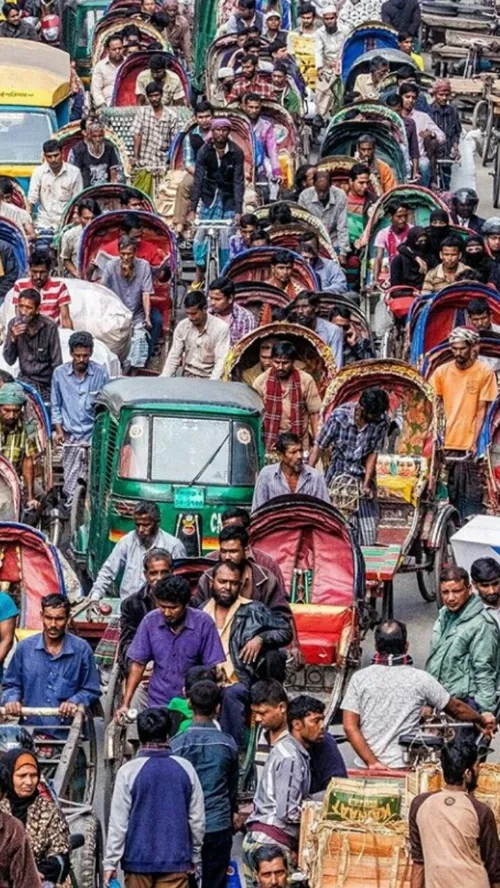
{"type": "Point", "coordinates": [174, 637]}
{"type": "Point", "coordinates": [14, 27]}
{"type": "Point", "coordinates": [96, 157]}
{"type": "Point", "coordinates": [305, 311]}
{"type": "Point", "coordinates": [250, 79]}
{"type": "Point", "coordinates": [453, 837]}
{"type": "Point", "coordinates": [328, 42]}
{"type": "Point", "coordinates": [381, 174]}
{"type": "Point", "coordinates": [281, 274]}
{"type": "Point", "coordinates": [466, 387]}
{"type": "Point", "coordinates": [485, 575]}
{"type": "Point", "coordinates": [18, 439]}
{"type": "Point", "coordinates": [128, 555]}
{"type": "Point", "coordinates": [329, 204]}
{"type": "Point", "coordinates": [291, 398]}
{"type": "Point", "coordinates": [267, 164]}
{"type": "Point", "coordinates": [252, 636]}
{"type": "Point", "coordinates": [288, 476]}
{"type": "Point", "coordinates": [331, 276]}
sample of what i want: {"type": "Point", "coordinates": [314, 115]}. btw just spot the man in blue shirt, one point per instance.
{"type": "Point", "coordinates": [305, 311]}
{"type": "Point", "coordinates": [214, 756]}
{"type": "Point", "coordinates": [75, 386]}
{"type": "Point", "coordinates": [330, 273]}
{"type": "Point", "coordinates": [53, 669]}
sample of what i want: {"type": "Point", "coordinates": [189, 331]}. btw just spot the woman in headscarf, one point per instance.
{"type": "Point", "coordinates": [46, 829]}
{"type": "Point", "coordinates": [411, 262]}
{"type": "Point", "coordinates": [438, 229]}
{"type": "Point", "coordinates": [476, 257]}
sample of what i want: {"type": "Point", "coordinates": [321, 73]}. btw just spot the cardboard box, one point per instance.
{"type": "Point", "coordinates": [479, 538]}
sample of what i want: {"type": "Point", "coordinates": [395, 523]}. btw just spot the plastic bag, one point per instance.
{"type": "Point", "coordinates": [463, 174]}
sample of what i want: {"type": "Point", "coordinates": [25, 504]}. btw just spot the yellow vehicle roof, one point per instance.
{"type": "Point", "coordinates": [33, 74]}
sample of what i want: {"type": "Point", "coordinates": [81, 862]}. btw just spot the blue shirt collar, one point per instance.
{"type": "Point", "coordinates": [67, 649]}
{"type": "Point", "coordinates": [90, 369]}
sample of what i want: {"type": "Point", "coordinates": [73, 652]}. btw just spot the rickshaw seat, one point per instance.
{"type": "Point", "coordinates": [10, 564]}
{"type": "Point", "coordinates": [401, 477]}
{"type": "Point", "coordinates": [320, 630]}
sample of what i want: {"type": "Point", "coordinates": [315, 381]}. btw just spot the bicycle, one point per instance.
{"type": "Point", "coordinates": [213, 229]}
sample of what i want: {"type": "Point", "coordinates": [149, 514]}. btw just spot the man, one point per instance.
{"type": "Point", "coordinates": [281, 272]}
{"type": "Point", "coordinates": [271, 867]}
{"type": "Point", "coordinates": [360, 198]}
{"type": "Point", "coordinates": [157, 565]}
{"type": "Point", "coordinates": [285, 784]}
{"type": "Point", "coordinates": [385, 700]}
{"type": "Point", "coordinates": [402, 15]}
{"type": "Point", "coordinates": [240, 320]}
{"type": "Point", "coordinates": [193, 140]}
{"type": "Point", "coordinates": [453, 836]}
{"type": "Point", "coordinates": [267, 163]}
{"type": "Point", "coordinates": [33, 340]}
{"type": "Point", "coordinates": [219, 182]}
{"type": "Point", "coordinates": [381, 175]}
{"type": "Point", "coordinates": [355, 346]}
{"type": "Point", "coordinates": [252, 636]}
{"type": "Point", "coordinates": [214, 757]}
{"type": "Point", "coordinates": [406, 45]}
{"type": "Point", "coordinates": [128, 554]}
{"type": "Point", "coordinates": [10, 210]}
{"type": "Point", "coordinates": [305, 309]}
{"type": "Point", "coordinates": [172, 90]}
{"type": "Point", "coordinates": [355, 433]}
{"type": "Point", "coordinates": [14, 27]}
{"type": "Point", "coordinates": [464, 203]}
{"type": "Point", "coordinates": [17, 863]}
{"type": "Point", "coordinates": [250, 80]}
{"type": "Point", "coordinates": [160, 789]}
{"type": "Point", "coordinates": [9, 269]}
{"type": "Point", "coordinates": [465, 633]}
{"type": "Point", "coordinates": [241, 241]}
{"type": "Point", "coordinates": [329, 204]}
{"type": "Point", "coordinates": [174, 637]}
{"type": "Point", "coordinates": [272, 26]}
{"type": "Point", "coordinates": [389, 238]}
{"type": "Point", "coordinates": [301, 44]}
{"type": "Point", "coordinates": [52, 185]}
{"type": "Point", "coordinates": [245, 15]}
{"type": "Point", "coordinates": [331, 276]}
{"type": "Point", "coordinates": [430, 136]}
{"type": "Point", "coordinates": [449, 268]}
{"type": "Point", "coordinates": [52, 669]}
{"type": "Point", "coordinates": [178, 33]}
{"type": "Point", "coordinates": [153, 130]}
{"type": "Point", "coordinates": [491, 232]}
{"type": "Point", "coordinates": [291, 398]}
{"type": "Point", "coordinates": [55, 298]}
{"type": "Point", "coordinates": [18, 439]}
{"type": "Point", "coordinates": [466, 387]}
{"type": "Point", "coordinates": [86, 211]}
{"type": "Point", "coordinates": [200, 342]}
{"type": "Point", "coordinates": [479, 313]}
{"type": "Point", "coordinates": [289, 475]}
{"type": "Point", "coordinates": [104, 73]}
{"type": "Point", "coordinates": [238, 517]}
{"type": "Point", "coordinates": [132, 281]}
{"type": "Point", "coordinates": [96, 157]}
{"type": "Point", "coordinates": [283, 91]}
{"type": "Point", "coordinates": [446, 117]}
{"type": "Point", "coordinates": [367, 85]}
{"type": "Point", "coordinates": [75, 386]}
{"type": "Point", "coordinates": [269, 710]}
{"type": "Point", "coordinates": [395, 102]}
{"type": "Point", "coordinates": [260, 582]}
{"type": "Point", "coordinates": [328, 41]}
{"type": "Point", "coordinates": [132, 225]}
{"type": "Point", "coordinates": [264, 363]}
{"type": "Point", "coordinates": [485, 575]}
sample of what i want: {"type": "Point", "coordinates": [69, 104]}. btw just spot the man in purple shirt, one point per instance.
{"type": "Point", "coordinates": [174, 637]}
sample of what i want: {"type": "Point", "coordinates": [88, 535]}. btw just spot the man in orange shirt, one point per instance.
{"type": "Point", "coordinates": [381, 175]}
{"type": "Point", "coordinates": [466, 387]}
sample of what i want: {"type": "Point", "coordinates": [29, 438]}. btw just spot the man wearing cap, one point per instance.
{"type": "Point", "coordinates": [272, 25]}
{"type": "Point", "coordinates": [153, 130]}
{"type": "Point", "coordinates": [328, 46]}
{"type": "Point", "coordinates": [178, 33]}
{"type": "Point", "coordinates": [219, 183]}
{"type": "Point", "coordinates": [18, 440]}
{"type": "Point", "coordinates": [466, 387]}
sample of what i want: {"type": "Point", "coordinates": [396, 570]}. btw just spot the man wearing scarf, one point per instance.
{"type": "Point", "coordinates": [291, 398]}
{"type": "Point", "coordinates": [385, 700]}
{"type": "Point", "coordinates": [18, 440]}
{"type": "Point", "coordinates": [466, 387]}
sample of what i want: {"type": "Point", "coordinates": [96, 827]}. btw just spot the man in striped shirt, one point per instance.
{"type": "Point", "coordinates": [54, 293]}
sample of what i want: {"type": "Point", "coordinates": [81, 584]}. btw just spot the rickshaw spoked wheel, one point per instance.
{"type": "Point", "coordinates": [496, 177]}
{"type": "Point", "coordinates": [486, 154]}
{"type": "Point", "coordinates": [87, 861]}
{"type": "Point", "coordinates": [444, 553]}
{"type": "Point", "coordinates": [77, 513]}
{"type": "Point", "coordinates": [339, 686]}
{"type": "Point", "coordinates": [425, 579]}
{"type": "Point", "coordinates": [480, 115]}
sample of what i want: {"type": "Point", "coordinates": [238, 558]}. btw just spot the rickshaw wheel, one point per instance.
{"type": "Point", "coordinates": [77, 514]}
{"type": "Point", "coordinates": [341, 680]}
{"type": "Point", "coordinates": [444, 553]}
{"type": "Point", "coordinates": [486, 154]}
{"type": "Point", "coordinates": [111, 768]}
{"type": "Point", "coordinates": [113, 695]}
{"type": "Point", "coordinates": [480, 115]}
{"type": "Point", "coordinates": [425, 580]}
{"type": "Point", "coordinates": [496, 177]}
{"type": "Point", "coordinates": [87, 861]}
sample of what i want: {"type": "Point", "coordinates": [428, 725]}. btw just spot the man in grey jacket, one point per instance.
{"type": "Point", "coordinates": [156, 788]}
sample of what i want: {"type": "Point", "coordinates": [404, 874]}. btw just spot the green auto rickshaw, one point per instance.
{"type": "Point", "coordinates": [193, 446]}
{"type": "Point", "coordinates": [79, 18]}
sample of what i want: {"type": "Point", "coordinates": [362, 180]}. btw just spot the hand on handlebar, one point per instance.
{"type": "Point", "coordinates": [67, 709]}
{"type": "Point", "coordinates": [120, 714]}
{"type": "Point", "coordinates": [488, 724]}
{"type": "Point", "coordinates": [14, 709]}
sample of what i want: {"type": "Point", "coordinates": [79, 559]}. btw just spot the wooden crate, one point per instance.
{"type": "Point", "coordinates": [362, 857]}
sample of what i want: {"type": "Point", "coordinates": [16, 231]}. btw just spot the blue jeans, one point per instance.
{"type": "Point", "coordinates": [424, 167]}
{"type": "Point", "coordinates": [156, 330]}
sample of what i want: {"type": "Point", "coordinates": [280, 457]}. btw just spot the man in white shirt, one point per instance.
{"type": "Point", "coordinates": [485, 576]}
{"type": "Point", "coordinates": [53, 184]}
{"type": "Point", "coordinates": [104, 73]}
{"type": "Point", "coordinates": [328, 47]}
{"type": "Point", "coordinates": [200, 342]}
{"type": "Point", "coordinates": [10, 210]}
{"type": "Point", "coordinates": [430, 137]}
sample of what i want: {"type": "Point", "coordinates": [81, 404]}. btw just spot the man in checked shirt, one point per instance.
{"type": "Point", "coordinates": [191, 144]}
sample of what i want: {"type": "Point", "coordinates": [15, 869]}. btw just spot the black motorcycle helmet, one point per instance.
{"type": "Point", "coordinates": [464, 202]}
{"type": "Point", "coordinates": [15, 737]}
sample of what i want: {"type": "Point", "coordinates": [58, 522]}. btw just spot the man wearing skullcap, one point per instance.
{"type": "Point", "coordinates": [466, 387]}
{"type": "Point", "coordinates": [328, 46]}
{"type": "Point", "coordinates": [18, 441]}
{"type": "Point", "coordinates": [445, 115]}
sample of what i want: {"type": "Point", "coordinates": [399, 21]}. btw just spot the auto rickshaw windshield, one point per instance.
{"type": "Point", "coordinates": [188, 450]}
{"type": "Point", "coordinates": [21, 134]}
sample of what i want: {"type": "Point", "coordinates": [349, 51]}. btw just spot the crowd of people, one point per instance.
{"type": "Point", "coordinates": [203, 672]}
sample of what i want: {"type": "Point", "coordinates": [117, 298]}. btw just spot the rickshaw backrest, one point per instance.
{"type": "Point", "coordinates": [241, 134]}
{"type": "Point", "coordinates": [12, 235]}
{"type": "Point", "coordinates": [29, 561]}
{"type": "Point", "coordinates": [371, 35]}
{"type": "Point", "coordinates": [129, 70]}
{"type": "Point", "coordinates": [343, 138]}
{"type": "Point", "coordinates": [107, 196]}
{"type": "Point", "coordinates": [255, 265]}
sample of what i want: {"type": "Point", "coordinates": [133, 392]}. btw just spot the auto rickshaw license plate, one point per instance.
{"type": "Point", "coordinates": [189, 497]}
